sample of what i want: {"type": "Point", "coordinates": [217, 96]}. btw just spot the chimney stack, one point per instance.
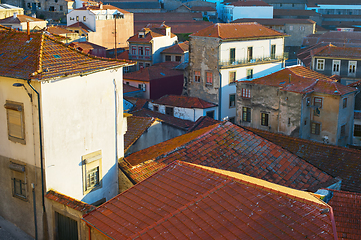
{"type": "Point", "coordinates": [289, 78]}
{"type": "Point", "coordinates": [15, 15]}
{"type": "Point", "coordinates": [28, 29]}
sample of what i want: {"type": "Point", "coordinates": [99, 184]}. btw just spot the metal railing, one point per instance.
{"type": "Point", "coordinates": [240, 62]}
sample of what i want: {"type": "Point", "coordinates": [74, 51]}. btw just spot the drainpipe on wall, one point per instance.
{"type": "Point", "coordinates": [34, 203]}
{"type": "Point", "coordinates": [41, 147]}
{"type": "Point", "coordinates": [220, 87]}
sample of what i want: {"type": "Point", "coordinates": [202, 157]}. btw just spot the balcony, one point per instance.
{"type": "Point", "coordinates": [254, 61]}
{"type": "Point", "coordinates": [140, 57]}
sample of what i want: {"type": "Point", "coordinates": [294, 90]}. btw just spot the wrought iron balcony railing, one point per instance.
{"type": "Point", "coordinates": [240, 62]}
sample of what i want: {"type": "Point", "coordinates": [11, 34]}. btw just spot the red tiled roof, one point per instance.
{"type": "Point", "coordinates": [339, 52]}
{"type": "Point", "coordinates": [337, 38]}
{"type": "Point", "coordinates": [152, 30]}
{"type": "Point", "coordinates": [336, 161]}
{"type": "Point", "coordinates": [104, 7]}
{"type": "Point", "coordinates": [305, 54]}
{"type": "Point", "coordinates": [136, 126]}
{"type": "Point", "coordinates": [43, 58]}
{"type": "Point", "coordinates": [138, 102]}
{"type": "Point", "coordinates": [85, 45]}
{"type": "Point", "coordinates": [156, 71]}
{"type": "Point", "coordinates": [187, 201]}
{"type": "Point", "coordinates": [123, 55]}
{"type": "Point", "coordinates": [57, 30]}
{"type": "Point", "coordinates": [170, 120]}
{"type": "Point", "coordinates": [184, 101]}
{"type": "Point", "coordinates": [20, 19]}
{"type": "Point", "coordinates": [203, 8]}
{"type": "Point", "coordinates": [275, 21]}
{"type": "Point", "coordinates": [228, 147]}
{"type": "Point", "coordinates": [347, 211]}
{"type": "Point", "coordinates": [69, 202]}
{"type": "Point", "coordinates": [238, 31]}
{"type": "Point", "coordinates": [179, 48]}
{"type": "Point", "coordinates": [303, 80]}
{"type": "Point", "coordinates": [127, 88]}
{"type": "Point", "coordinates": [165, 16]}
{"type": "Point", "coordinates": [294, 12]}
{"type": "Point", "coordinates": [203, 122]}
{"type": "Point", "coordinates": [332, 2]}
{"type": "Point", "coordinates": [249, 3]}
{"type": "Point", "coordinates": [80, 25]}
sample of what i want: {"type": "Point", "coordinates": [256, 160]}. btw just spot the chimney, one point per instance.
{"type": "Point", "coordinates": [289, 78]}
{"type": "Point", "coordinates": [100, 5]}
{"type": "Point", "coordinates": [15, 15]}
{"type": "Point", "coordinates": [28, 29]}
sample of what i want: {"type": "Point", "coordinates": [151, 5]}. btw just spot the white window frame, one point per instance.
{"type": "Point", "coordinates": [92, 162]}
{"type": "Point", "coordinates": [320, 64]}
{"type": "Point", "coordinates": [338, 64]}
{"type": "Point", "coordinates": [352, 70]}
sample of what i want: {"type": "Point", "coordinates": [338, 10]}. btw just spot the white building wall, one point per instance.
{"type": "Point", "coordinates": [90, 21]}
{"type": "Point", "coordinates": [79, 118]}
{"type": "Point", "coordinates": [159, 44]}
{"type": "Point", "coordinates": [252, 12]}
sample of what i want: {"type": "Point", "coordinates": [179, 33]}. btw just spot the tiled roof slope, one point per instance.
{"type": "Point", "coordinates": [275, 21]}
{"type": "Point", "coordinates": [170, 120]}
{"type": "Point", "coordinates": [102, 7]}
{"type": "Point", "coordinates": [69, 202]}
{"type": "Point", "coordinates": [347, 211]}
{"type": "Point", "coordinates": [303, 80]}
{"type": "Point", "coordinates": [340, 52]}
{"type": "Point", "coordinates": [203, 122]}
{"type": "Point", "coordinates": [152, 30]}
{"type": "Point", "coordinates": [80, 25]}
{"type": "Point", "coordinates": [136, 126]}
{"type": "Point", "coordinates": [228, 147]}
{"type": "Point", "coordinates": [238, 31]}
{"type": "Point", "coordinates": [305, 54]}
{"type": "Point", "coordinates": [57, 30]}
{"type": "Point", "coordinates": [187, 201]}
{"type": "Point", "coordinates": [184, 101]}
{"type": "Point", "coordinates": [179, 48]}
{"type": "Point", "coordinates": [44, 58]}
{"type": "Point", "coordinates": [156, 71]}
{"type": "Point", "coordinates": [138, 102]}
{"type": "Point", "coordinates": [248, 3]}
{"type": "Point", "coordinates": [127, 88]}
{"type": "Point", "coordinates": [336, 161]}
{"type": "Point", "coordinates": [20, 19]}
{"type": "Point", "coordinates": [178, 26]}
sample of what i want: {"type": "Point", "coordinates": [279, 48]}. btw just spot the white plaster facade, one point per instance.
{"type": "Point", "coordinates": [191, 114]}
{"type": "Point", "coordinates": [231, 12]}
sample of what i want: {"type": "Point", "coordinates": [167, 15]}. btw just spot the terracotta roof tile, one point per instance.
{"type": "Point", "coordinates": [127, 88]}
{"type": "Point", "coordinates": [69, 202]}
{"type": "Point", "coordinates": [123, 55]}
{"type": "Point", "coordinates": [20, 19]}
{"type": "Point", "coordinates": [275, 21]}
{"type": "Point", "coordinates": [179, 48]}
{"type": "Point", "coordinates": [348, 39]}
{"type": "Point", "coordinates": [203, 8]}
{"type": "Point", "coordinates": [44, 58]}
{"type": "Point", "coordinates": [229, 147]}
{"type": "Point", "coordinates": [305, 54]}
{"type": "Point", "coordinates": [156, 71]}
{"type": "Point", "coordinates": [187, 201]}
{"type": "Point", "coordinates": [303, 80]}
{"type": "Point", "coordinates": [178, 27]}
{"type": "Point", "coordinates": [57, 30]}
{"type": "Point", "coordinates": [138, 102]}
{"type": "Point", "coordinates": [104, 7]}
{"type": "Point", "coordinates": [136, 126]}
{"type": "Point", "coordinates": [203, 122]}
{"type": "Point", "coordinates": [339, 52]}
{"type": "Point", "coordinates": [336, 161]}
{"type": "Point", "coordinates": [170, 120]}
{"type": "Point", "coordinates": [184, 101]}
{"type": "Point", "coordinates": [80, 25]}
{"type": "Point", "coordinates": [85, 46]}
{"type": "Point", "coordinates": [237, 31]}
{"type": "Point", "coordinates": [294, 12]}
{"type": "Point", "coordinates": [347, 211]}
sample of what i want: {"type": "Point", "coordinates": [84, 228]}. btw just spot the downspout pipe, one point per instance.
{"type": "Point", "coordinates": [41, 147]}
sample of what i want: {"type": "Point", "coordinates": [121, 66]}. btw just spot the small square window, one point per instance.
{"type": "Point", "coordinates": [15, 121]}
{"type": "Point", "coordinates": [264, 119]}
{"type": "Point", "coordinates": [18, 178]}
{"type": "Point", "coordinates": [232, 100]}
{"type": "Point", "coordinates": [246, 114]}
{"type": "Point", "coordinates": [315, 128]}
{"type": "Point", "coordinates": [352, 68]}
{"type": "Point", "coordinates": [28, 5]}
{"type": "Point", "coordinates": [168, 58]}
{"type": "Point", "coordinates": [344, 103]}
{"type": "Point", "coordinates": [39, 4]}
{"type": "Point", "coordinates": [246, 93]}
{"type": "Point", "coordinates": [178, 58]}
{"type": "Point", "coordinates": [84, 18]}
{"type": "Point", "coordinates": [320, 64]}
{"type": "Point", "coordinates": [210, 114]}
{"type": "Point", "coordinates": [197, 76]}
{"type": "Point", "coordinates": [169, 111]}
{"type": "Point", "coordinates": [77, 18]}
{"type": "Point", "coordinates": [209, 78]}
{"type": "Point", "coordinates": [61, 8]}
{"type": "Point", "coordinates": [317, 102]}
{"type": "Point", "coordinates": [343, 130]}
{"type": "Point", "coordinates": [357, 130]}
{"type": "Point", "coordinates": [155, 108]}
{"type": "Point", "coordinates": [92, 171]}
{"type": "Point", "coordinates": [249, 73]}
{"type": "Point", "coordinates": [232, 77]}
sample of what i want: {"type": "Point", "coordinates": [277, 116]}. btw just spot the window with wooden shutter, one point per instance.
{"type": "Point", "coordinates": [16, 124]}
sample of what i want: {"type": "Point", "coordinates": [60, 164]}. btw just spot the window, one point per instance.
{"type": "Point", "coordinates": [249, 73]}
{"type": "Point", "coordinates": [232, 77]}
{"type": "Point", "coordinates": [273, 51]}
{"type": "Point", "coordinates": [249, 54]}
{"type": "Point", "coordinates": [197, 76]}
{"type": "Point", "coordinates": [140, 51]}
{"type": "Point", "coordinates": [291, 28]}
{"type": "Point", "coordinates": [336, 67]}
{"type": "Point", "coordinates": [15, 121]}
{"type": "Point", "coordinates": [134, 50]}
{"type": "Point", "coordinates": [155, 108]}
{"type": "Point", "coordinates": [232, 55]}
{"type": "Point", "coordinates": [84, 18]}
{"type": "Point", "coordinates": [320, 64]}
{"type": "Point", "coordinates": [29, 5]}
{"type": "Point", "coordinates": [344, 103]}
{"type": "Point", "coordinates": [56, 1]}
{"type": "Point", "coordinates": [317, 101]}
{"type": "Point", "coordinates": [210, 114]}
{"type": "Point", "coordinates": [147, 64]}
{"type": "Point", "coordinates": [18, 179]}
{"type": "Point", "coordinates": [315, 128]}
{"type": "Point", "coordinates": [141, 65]}
{"type": "Point", "coordinates": [357, 131]}
{"type": "Point", "coordinates": [168, 58]}
{"type": "Point", "coordinates": [92, 171]}
{"type": "Point", "coordinates": [169, 111]}
{"type": "Point", "coordinates": [232, 100]}
{"type": "Point", "coordinates": [77, 18]}
{"type": "Point", "coordinates": [61, 9]}
{"type": "Point", "coordinates": [264, 119]}
{"type": "Point", "coordinates": [178, 58]}
{"type": "Point", "coordinates": [246, 114]}
{"type": "Point", "coordinates": [343, 130]}
{"type": "Point", "coordinates": [246, 93]}
{"type": "Point", "coordinates": [209, 78]}
{"type": "Point", "coordinates": [147, 51]}
{"type": "Point", "coordinates": [352, 68]}
{"type": "Point", "coordinates": [39, 4]}
{"type": "Point", "coordinates": [302, 28]}
{"type": "Point", "coordinates": [232, 119]}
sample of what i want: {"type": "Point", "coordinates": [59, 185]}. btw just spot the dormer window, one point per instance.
{"type": "Point", "coordinates": [141, 35]}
